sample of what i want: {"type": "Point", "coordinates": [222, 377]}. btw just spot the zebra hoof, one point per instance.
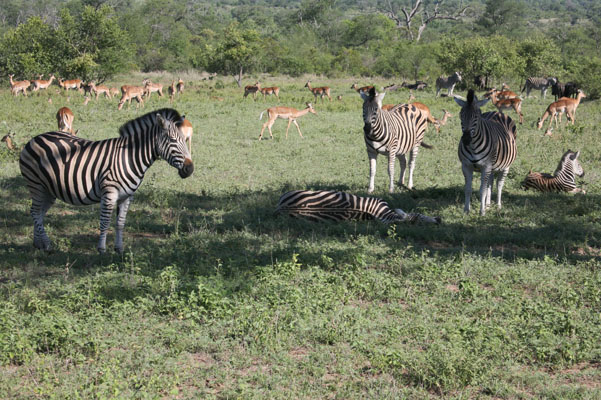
{"type": "Point", "coordinates": [119, 250]}
{"type": "Point", "coordinates": [101, 250]}
{"type": "Point", "coordinates": [438, 220]}
{"type": "Point", "coordinates": [42, 245]}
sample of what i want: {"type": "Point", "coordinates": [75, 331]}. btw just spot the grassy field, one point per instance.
{"type": "Point", "coordinates": [217, 297]}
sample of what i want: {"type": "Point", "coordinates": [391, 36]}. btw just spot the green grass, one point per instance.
{"type": "Point", "coordinates": [217, 297]}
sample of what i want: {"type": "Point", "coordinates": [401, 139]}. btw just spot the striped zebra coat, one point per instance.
{"type": "Point", "coordinates": [328, 205]}
{"type": "Point", "coordinates": [564, 179]}
{"type": "Point", "coordinates": [447, 82]}
{"type": "Point", "coordinates": [487, 145]}
{"type": "Point", "coordinates": [393, 133]}
{"type": "Point", "coordinates": [537, 83]}
{"type": "Point", "coordinates": [81, 172]}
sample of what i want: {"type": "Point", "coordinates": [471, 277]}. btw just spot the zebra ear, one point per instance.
{"type": "Point", "coordinates": [482, 102]}
{"type": "Point", "coordinates": [162, 121]}
{"type": "Point", "coordinates": [459, 101]}
{"type": "Point", "coordinates": [364, 96]}
{"type": "Point", "coordinates": [380, 98]}
{"type": "Point", "coordinates": [574, 156]}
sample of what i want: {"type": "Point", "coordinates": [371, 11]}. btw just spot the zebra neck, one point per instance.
{"type": "Point", "coordinates": [143, 149]}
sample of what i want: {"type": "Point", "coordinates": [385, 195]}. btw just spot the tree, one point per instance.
{"type": "Point", "coordinates": [236, 52]}
{"type": "Point", "coordinates": [503, 17]}
{"type": "Point", "coordinates": [541, 57]}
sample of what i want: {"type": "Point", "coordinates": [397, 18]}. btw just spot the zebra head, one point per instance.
{"type": "Point", "coordinates": [470, 112]}
{"type": "Point", "coordinates": [171, 145]}
{"type": "Point", "coordinates": [372, 104]}
{"type": "Point", "coordinates": [569, 161]}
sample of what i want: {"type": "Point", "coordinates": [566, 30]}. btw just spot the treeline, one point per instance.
{"type": "Point", "coordinates": [504, 39]}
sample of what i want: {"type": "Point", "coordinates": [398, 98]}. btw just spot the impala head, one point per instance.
{"type": "Point", "coordinates": [470, 111]}
{"type": "Point", "coordinates": [571, 157]}
{"type": "Point", "coordinates": [308, 84]}
{"type": "Point", "coordinates": [311, 109]}
{"type": "Point", "coordinates": [372, 104]}
{"type": "Point", "coordinates": [171, 144]}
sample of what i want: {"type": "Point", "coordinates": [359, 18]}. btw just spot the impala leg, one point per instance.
{"type": "Point", "coordinates": [39, 207]}
{"type": "Point", "coordinates": [107, 203]}
{"type": "Point", "coordinates": [297, 127]}
{"type": "Point", "coordinates": [500, 183]}
{"type": "Point", "coordinates": [468, 173]}
{"type": "Point", "coordinates": [122, 208]}
{"type": "Point", "coordinates": [289, 122]}
{"type": "Point", "coordinates": [372, 170]}
{"type": "Point", "coordinates": [413, 157]}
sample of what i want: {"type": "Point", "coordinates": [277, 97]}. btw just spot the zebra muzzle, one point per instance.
{"type": "Point", "coordinates": [187, 169]}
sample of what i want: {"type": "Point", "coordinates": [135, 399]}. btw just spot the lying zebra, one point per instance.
{"type": "Point", "coordinates": [564, 179]}
{"type": "Point", "coordinates": [328, 205]}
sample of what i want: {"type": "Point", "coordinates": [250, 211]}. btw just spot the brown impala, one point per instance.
{"type": "Point", "coordinates": [18, 86]}
{"type": "Point", "coordinates": [70, 84]}
{"type": "Point", "coordinates": [319, 91]}
{"type": "Point", "coordinates": [131, 92]}
{"type": "Point", "coordinates": [289, 113]}
{"type": "Point", "coordinates": [41, 84]}
{"type": "Point", "coordinates": [150, 88]}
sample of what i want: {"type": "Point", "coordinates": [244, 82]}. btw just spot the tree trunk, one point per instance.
{"type": "Point", "coordinates": [239, 77]}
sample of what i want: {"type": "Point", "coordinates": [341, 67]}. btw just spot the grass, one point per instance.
{"type": "Point", "coordinates": [217, 297]}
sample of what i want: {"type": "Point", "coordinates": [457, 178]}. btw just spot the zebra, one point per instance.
{"type": "Point", "coordinates": [448, 83]}
{"type": "Point", "coordinates": [82, 172]}
{"type": "Point", "coordinates": [541, 84]}
{"type": "Point", "coordinates": [564, 179]}
{"type": "Point", "coordinates": [328, 205]}
{"type": "Point", "coordinates": [393, 133]}
{"type": "Point", "coordinates": [488, 145]}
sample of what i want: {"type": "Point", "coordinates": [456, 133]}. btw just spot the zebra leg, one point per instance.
{"type": "Point", "coordinates": [39, 208]}
{"type": "Point", "coordinates": [468, 172]}
{"type": "Point", "coordinates": [403, 161]}
{"type": "Point", "coordinates": [500, 182]}
{"type": "Point", "coordinates": [122, 208]}
{"type": "Point", "coordinates": [484, 186]}
{"type": "Point", "coordinates": [412, 158]}
{"type": "Point", "coordinates": [107, 203]}
{"type": "Point", "coordinates": [372, 170]}
{"type": "Point", "coordinates": [391, 161]}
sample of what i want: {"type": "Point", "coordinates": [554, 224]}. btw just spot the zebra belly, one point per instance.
{"type": "Point", "coordinates": [383, 148]}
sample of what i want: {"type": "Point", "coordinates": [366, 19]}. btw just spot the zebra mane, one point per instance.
{"type": "Point", "coordinates": [565, 160]}
{"type": "Point", "coordinates": [148, 120]}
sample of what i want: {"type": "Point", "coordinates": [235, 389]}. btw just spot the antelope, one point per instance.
{"type": "Point", "coordinates": [502, 94]}
{"type": "Point", "coordinates": [131, 92]}
{"type": "Point", "coordinates": [150, 87]}
{"type": "Point", "coordinates": [285, 113]}
{"type": "Point", "coordinates": [64, 118]}
{"type": "Point", "coordinates": [504, 87]}
{"type": "Point", "coordinates": [171, 90]}
{"type": "Point", "coordinates": [319, 91]}
{"type": "Point", "coordinates": [269, 91]}
{"type": "Point", "coordinates": [180, 86]}
{"type": "Point", "coordinates": [186, 129]}
{"type": "Point", "coordinates": [114, 92]}
{"type": "Point", "coordinates": [361, 89]}
{"type": "Point", "coordinates": [411, 97]}
{"type": "Point", "coordinates": [42, 84]}
{"type": "Point", "coordinates": [8, 139]}
{"type": "Point", "coordinates": [101, 89]}
{"type": "Point", "coordinates": [252, 89]}
{"type": "Point", "coordinates": [70, 84]}
{"type": "Point", "coordinates": [443, 120]}
{"type": "Point", "coordinates": [86, 100]}
{"type": "Point", "coordinates": [339, 97]}
{"type": "Point", "coordinates": [18, 86]}
{"type": "Point", "coordinates": [564, 104]}
{"type": "Point", "coordinates": [506, 104]}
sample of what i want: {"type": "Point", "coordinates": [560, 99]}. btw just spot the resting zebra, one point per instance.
{"type": "Point", "coordinates": [82, 172]}
{"type": "Point", "coordinates": [564, 179]}
{"type": "Point", "coordinates": [448, 83]}
{"type": "Point", "coordinates": [541, 84]}
{"type": "Point", "coordinates": [487, 145]}
{"type": "Point", "coordinates": [392, 133]}
{"type": "Point", "coordinates": [328, 205]}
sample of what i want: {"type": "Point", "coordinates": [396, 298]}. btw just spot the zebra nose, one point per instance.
{"type": "Point", "coordinates": [187, 169]}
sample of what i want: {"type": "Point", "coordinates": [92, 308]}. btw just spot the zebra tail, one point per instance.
{"type": "Point", "coordinates": [426, 145]}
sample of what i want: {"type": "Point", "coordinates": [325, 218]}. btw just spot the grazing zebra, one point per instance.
{"type": "Point", "coordinates": [447, 82]}
{"type": "Point", "coordinates": [82, 172]}
{"type": "Point", "coordinates": [487, 145]}
{"type": "Point", "coordinates": [393, 133]}
{"type": "Point", "coordinates": [541, 84]}
{"type": "Point", "coordinates": [564, 179]}
{"type": "Point", "coordinates": [328, 205]}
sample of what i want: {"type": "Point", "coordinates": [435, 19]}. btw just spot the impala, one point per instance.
{"type": "Point", "coordinates": [186, 129]}
{"type": "Point", "coordinates": [268, 91]}
{"type": "Point", "coordinates": [150, 88]}
{"type": "Point", "coordinates": [426, 113]}
{"type": "Point", "coordinates": [18, 86]}
{"type": "Point", "coordinates": [42, 84]}
{"type": "Point", "coordinates": [171, 90]}
{"type": "Point", "coordinates": [252, 89]}
{"type": "Point", "coordinates": [114, 92]}
{"type": "Point", "coordinates": [502, 94]}
{"type": "Point", "coordinates": [361, 89]}
{"type": "Point", "coordinates": [70, 84]}
{"type": "Point", "coordinates": [180, 86]}
{"type": "Point", "coordinates": [100, 89]}
{"type": "Point", "coordinates": [289, 113]}
{"type": "Point", "coordinates": [507, 104]}
{"type": "Point", "coordinates": [131, 92]}
{"type": "Point", "coordinates": [443, 120]}
{"type": "Point", "coordinates": [319, 91]}
{"type": "Point", "coordinates": [64, 118]}
{"type": "Point", "coordinates": [564, 104]}
{"type": "Point", "coordinates": [8, 139]}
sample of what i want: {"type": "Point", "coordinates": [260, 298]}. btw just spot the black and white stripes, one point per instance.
{"type": "Point", "coordinates": [328, 205]}
{"type": "Point", "coordinates": [395, 132]}
{"type": "Point", "coordinates": [447, 82]}
{"type": "Point", "coordinates": [81, 172]}
{"type": "Point", "coordinates": [564, 179]}
{"type": "Point", "coordinates": [487, 145]}
{"type": "Point", "coordinates": [538, 83]}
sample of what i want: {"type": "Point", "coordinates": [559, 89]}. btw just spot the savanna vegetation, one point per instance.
{"type": "Point", "coordinates": [216, 296]}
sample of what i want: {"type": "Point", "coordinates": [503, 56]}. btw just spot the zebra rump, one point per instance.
{"type": "Point", "coordinates": [564, 179]}
{"type": "Point", "coordinates": [328, 205]}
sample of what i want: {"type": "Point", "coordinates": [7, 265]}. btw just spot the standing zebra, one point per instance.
{"type": "Point", "coordinates": [447, 82]}
{"type": "Point", "coordinates": [487, 145]}
{"type": "Point", "coordinates": [393, 133]}
{"type": "Point", "coordinates": [328, 205]}
{"type": "Point", "coordinates": [541, 84]}
{"type": "Point", "coordinates": [564, 179]}
{"type": "Point", "coordinates": [82, 172]}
